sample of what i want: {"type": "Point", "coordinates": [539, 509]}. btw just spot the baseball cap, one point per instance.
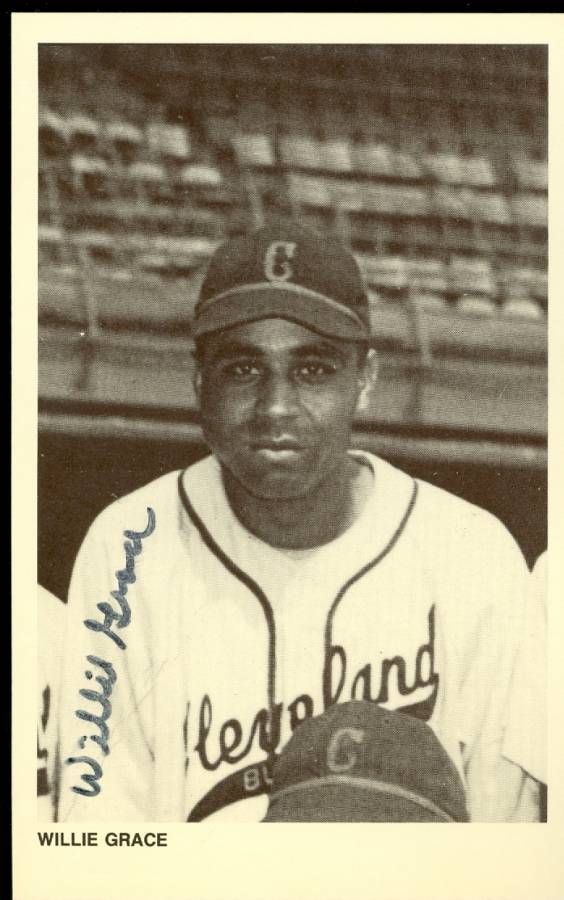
{"type": "Point", "coordinates": [284, 270]}
{"type": "Point", "coordinates": [358, 762]}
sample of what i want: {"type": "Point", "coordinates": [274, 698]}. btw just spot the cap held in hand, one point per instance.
{"type": "Point", "coordinates": [284, 271]}
{"type": "Point", "coordinates": [358, 762]}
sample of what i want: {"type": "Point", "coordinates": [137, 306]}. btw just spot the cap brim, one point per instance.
{"type": "Point", "coordinates": [323, 316]}
{"type": "Point", "coordinates": [345, 803]}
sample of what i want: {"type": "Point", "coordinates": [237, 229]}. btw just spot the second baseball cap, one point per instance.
{"type": "Point", "coordinates": [358, 762]}
{"type": "Point", "coordinates": [285, 271]}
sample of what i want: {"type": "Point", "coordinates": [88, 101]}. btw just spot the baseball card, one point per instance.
{"type": "Point", "coordinates": [281, 374]}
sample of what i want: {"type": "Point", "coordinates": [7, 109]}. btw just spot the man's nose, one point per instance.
{"type": "Point", "coordinates": [278, 397]}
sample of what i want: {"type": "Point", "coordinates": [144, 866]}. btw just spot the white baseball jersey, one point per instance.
{"type": "Point", "coordinates": [194, 649]}
{"type": "Point", "coordinates": [525, 738]}
{"type": "Point", "coordinates": [50, 632]}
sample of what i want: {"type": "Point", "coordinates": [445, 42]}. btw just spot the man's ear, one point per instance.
{"type": "Point", "coordinates": [367, 379]}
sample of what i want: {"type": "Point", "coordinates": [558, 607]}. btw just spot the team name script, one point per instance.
{"type": "Point", "coordinates": [410, 683]}
{"type": "Point", "coordinates": [368, 683]}
{"type": "Point", "coordinates": [106, 678]}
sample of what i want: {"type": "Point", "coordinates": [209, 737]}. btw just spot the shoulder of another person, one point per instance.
{"type": "Point", "coordinates": [461, 517]}
{"type": "Point", "coordinates": [49, 600]}
{"type": "Point", "coordinates": [540, 567]}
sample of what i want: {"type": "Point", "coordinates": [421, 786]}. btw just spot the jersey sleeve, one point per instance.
{"type": "Point", "coordinates": [51, 623]}
{"type": "Point", "coordinates": [494, 577]}
{"type": "Point", "coordinates": [105, 706]}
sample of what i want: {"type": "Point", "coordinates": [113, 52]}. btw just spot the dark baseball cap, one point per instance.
{"type": "Point", "coordinates": [358, 762]}
{"type": "Point", "coordinates": [284, 271]}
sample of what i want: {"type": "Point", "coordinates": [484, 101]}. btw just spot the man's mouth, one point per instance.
{"type": "Point", "coordinates": [279, 449]}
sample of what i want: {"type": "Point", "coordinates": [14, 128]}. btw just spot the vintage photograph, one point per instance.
{"type": "Point", "coordinates": [292, 442]}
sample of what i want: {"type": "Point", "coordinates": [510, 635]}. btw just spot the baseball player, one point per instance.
{"type": "Point", "coordinates": [216, 608]}
{"type": "Point", "coordinates": [50, 620]}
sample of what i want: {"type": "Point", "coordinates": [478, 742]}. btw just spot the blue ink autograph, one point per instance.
{"type": "Point", "coordinates": [125, 577]}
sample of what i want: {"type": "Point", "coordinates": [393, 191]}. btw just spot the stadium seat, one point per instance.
{"type": "Point", "coordinates": [309, 190]}
{"type": "Point", "coordinates": [51, 242]}
{"type": "Point", "coordinates": [429, 302]}
{"type": "Point", "coordinates": [96, 248]}
{"type": "Point", "coordinates": [387, 274]}
{"type": "Point", "coordinates": [406, 165]}
{"type": "Point", "coordinates": [524, 291]}
{"type": "Point", "coordinates": [60, 298]}
{"type": "Point", "coordinates": [347, 196]}
{"type": "Point", "coordinates": [154, 197]}
{"type": "Point", "coordinates": [427, 276]}
{"type": "Point", "coordinates": [370, 233]}
{"type": "Point", "coordinates": [539, 286]}
{"type": "Point", "coordinates": [372, 158]}
{"type": "Point", "coordinates": [147, 172]}
{"type": "Point", "coordinates": [450, 202]}
{"type": "Point", "coordinates": [53, 134]}
{"type": "Point", "coordinates": [300, 151]}
{"type": "Point", "coordinates": [475, 304]}
{"type": "Point", "coordinates": [422, 237]}
{"type": "Point", "coordinates": [477, 171]}
{"type": "Point", "coordinates": [447, 167]}
{"type": "Point", "coordinates": [271, 188]}
{"type": "Point", "coordinates": [149, 179]}
{"type": "Point", "coordinates": [532, 245]}
{"type": "Point", "coordinates": [378, 199]}
{"type": "Point", "coordinates": [471, 276]}
{"type": "Point", "coordinates": [83, 132]}
{"type": "Point", "coordinates": [413, 201]}
{"type": "Point", "coordinates": [254, 149]}
{"type": "Point", "coordinates": [487, 207]}
{"type": "Point", "coordinates": [530, 209]}
{"type": "Point", "coordinates": [168, 140]}
{"type": "Point", "coordinates": [335, 155]}
{"type": "Point", "coordinates": [395, 199]}
{"type": "Point", "coordinates": [91, 176]}
{"type": "Point", "coordinates": [519, 303]}
{"type": "Point", "coordinates": [126, 139]}
{"type": "Point", "coordinates": [175, 257]}
{"type": "Point", "coordinates": [531, 174]}
{"type": "Point", "coordinates": [201, 175]}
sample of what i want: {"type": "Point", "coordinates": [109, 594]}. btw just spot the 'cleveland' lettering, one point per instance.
{"type": "Point", "coordinates": [266, 741]}
{"type": "Point", "coordinates": [265, 731]}
{"type": "Point", "coordinates": [394, 668]}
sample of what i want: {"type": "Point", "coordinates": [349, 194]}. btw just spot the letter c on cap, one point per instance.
{"type": "Point", "coordinates": [277, 260]}
{"type": "Point", "coordinates": [335, 746]}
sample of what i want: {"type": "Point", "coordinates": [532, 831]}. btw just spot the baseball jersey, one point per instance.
{"type": "Point", "coordinates": [525, 738]}
{"type": "Point", "coordinates": [206, 647]}
{"type": "Point", "coordinates": [50, 631]}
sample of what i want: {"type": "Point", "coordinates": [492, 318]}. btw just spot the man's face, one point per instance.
{"type": "Point", "coordinates": [277, 403]}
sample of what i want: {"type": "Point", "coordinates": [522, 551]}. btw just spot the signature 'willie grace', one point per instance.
{"type": "Point", "coordinates": [133, 547]}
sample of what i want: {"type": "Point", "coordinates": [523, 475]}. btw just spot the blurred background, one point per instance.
{"type": "Point", "coordinates": [429, 161]}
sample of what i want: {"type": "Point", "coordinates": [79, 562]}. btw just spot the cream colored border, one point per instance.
{"type": "Point", "coordinates": [282, 862]}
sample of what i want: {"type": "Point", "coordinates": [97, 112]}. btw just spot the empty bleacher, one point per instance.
{"type": "Point", "coordinates": [429, 162]}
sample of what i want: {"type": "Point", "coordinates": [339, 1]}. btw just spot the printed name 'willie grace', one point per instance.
{"type": "Point", "coordinates": [111, 839]}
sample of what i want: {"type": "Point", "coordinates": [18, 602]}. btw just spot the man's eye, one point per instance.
{"type": "Point", "coordinates": [316, 370]}
{"type": "Point", "coordinates": [242, 370]}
